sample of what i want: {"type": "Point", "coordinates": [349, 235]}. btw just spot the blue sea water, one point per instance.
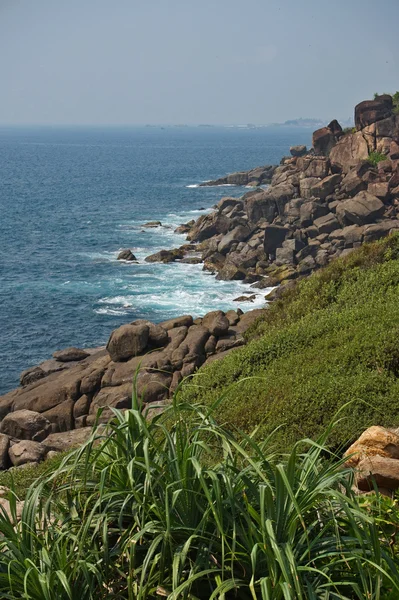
{"type": "Point", "coordinates": [71, 198]}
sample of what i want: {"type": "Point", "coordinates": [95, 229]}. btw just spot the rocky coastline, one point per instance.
{"type": "Point", "coordinates": [318, 205]}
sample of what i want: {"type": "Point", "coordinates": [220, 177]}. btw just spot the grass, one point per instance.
{"type": "Point", "coordinates": [151, 512]}
{"type": "Point", "coordinates": [376, 157]}
{"type": "Point", "coordinates": [330, 340]}
{"type": "Point", "coordinates": [21, 479]}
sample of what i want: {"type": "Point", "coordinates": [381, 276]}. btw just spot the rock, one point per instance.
{"type": "Point", "coordinates": [260, 206]}
{"type": "Point", "coordinates": [166, 256]}
{"type": "Point", "coordinates": [323, 141]}
{"type": "Point", "coordinates": [313, 166]}
{"type": "Point", "coordinates": [61, 416]}
{"type": "Point", "coordinates": [228, 203]}
{"type": "Point", "coordinates": [370, 111]}
{"type": "Point", "coordinates": [232, 317]}
{"type": "Point", "coordinates": [210, 345]}
{"type": "Point", "coordinates": [298, 150]}
{"type": "Point", "coordinates": [128, 341]}
{"type": "Point", "coordinates": [185, 227]}
{"type": "Point", "coordinates": [326, 186]}
{"type": "Point", "coordinates": [153, 387]}
{"type": "Point", "coordinates": [352, 183]}
{"type": "Point", "coordinates": [26, 451]}
{"type": "Point", "coordinates": [157, 335]}
{"type": "Point", "coordinates": [378, 470]}
{"type": "Point", "coordinates": [274, 237]}
{"type": "Point", "coordinates": [379, 230]}
{"type": "Point", "coordinates": [208, 226]}
{"type": "Point", "coordinates": [306, 265]}
{"type": "Point", "coordinates": [327, 223]}
{"type": "Point", "coordinates": [363, 208]}
{"type": "Point", "coordinates": [394, 150]}
{"type": "Point", "coordinates": [183, 321]}
{"type": "Point", "coordinates": [60, 442]}
{"type": "Point", "coordinates": [306, 186]}
{"type": "Point", "coordinates": [238, 234]}
{"type": "Point", "coordinates": [230, 272]}
{"type": "Point", "coordinates": [81, 406]}
{"type": "Point", "coordinates": [352, 235]}
{"type": "Point", "coordinates": [70, 354]}
{"type": "Point", "coordinates": [26, 425]}
{"type": "Point", "coordinates": [248, 318]}
{"type": "Point", "coordinates": [216, 322]}
{"type": "Point", "coordinates": [152, 224]}
{"type": "Point", "coordinates": [228, 342]}
{"type": "Point", "coordinates": [285, 256]}
{"type": "Point", "coordinates": [311, 210]}
{"type": "Point", "coordinates": [245, 298]}
{"type": "Point", "coordinates": [375, 440]}
{"type": "Point", "coordinates": [110, 397]}
{"type": "Point", "coordinates": [4, 446]}
{"type": "Point", "coordinates": [31, 375]}
{"type": "Point", "coordinates": [379, 189]}
{"type": "Point", "coordinates": [126, 254]}
{"type": "Point", "coordinates": [349, 151]}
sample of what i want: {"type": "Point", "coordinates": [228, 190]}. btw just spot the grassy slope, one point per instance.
{"type": "Point", "coordinates": [332, 340]}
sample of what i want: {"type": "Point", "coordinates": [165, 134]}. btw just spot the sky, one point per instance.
{"type": "Point", "coordinates": [193, 61]}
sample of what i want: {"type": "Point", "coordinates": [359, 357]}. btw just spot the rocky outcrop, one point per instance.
{"type": "Point", "coordinates": [127, 254]}
{"type": "Point", "coordinates": [57, 411]}
{"type": "Point", "coordinates": [319, 205]}
{"type": "Point", "coordinates": [375, 460]}
{"type": "Point", "coordinates": [253, 178]}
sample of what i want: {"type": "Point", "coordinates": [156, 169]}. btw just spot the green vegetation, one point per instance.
{"type": "Point", "coordinates": [330, 340]}
{"type": "Point", "coordinates": [376, 157]}
{"type": "Point", "coordinates": [142, 515]}
{"type": "Point", "coordinates": [21, 479]}
{"type": "Point", "coordinates": [347, 130]}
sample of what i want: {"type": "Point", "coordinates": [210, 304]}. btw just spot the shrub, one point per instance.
{"type": "Point", "coordinates": [152, 512]}
{"type": "Point", "coordinates": [376, 157]}
{"type": "Point", "coordinates": [329, 340]}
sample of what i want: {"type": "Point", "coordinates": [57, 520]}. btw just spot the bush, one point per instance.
{"type": "Point", "coordinates": [330, 340]}
{"type": "Point", "coordinates": [376, 157]}
{"type": "Point", "coordinates": [152, 512]}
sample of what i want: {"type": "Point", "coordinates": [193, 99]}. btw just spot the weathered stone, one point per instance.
{"type": "Point", "coordinates": [183, 321]}
{"type": "Point", "coordinates": [310, 211]}
{"type": "Point", "coordinates": [232, 317]}
{"type": "Point", "coordinates": [61, 416]}
{"type": "Point", "coordinates": [352, 234]}
{"type": "Point", "coordinates": [31, 375]}
{"type": "Point", "coordinates": [111, 397]}
{"type": "Point", "coordinates": [350, 150]}
{"type": "Point", "coordinates": [285, 256]}
{"type": "Point", "coordinates": [274, 237]}
{"type": "Point", "coordinates": [375, 440]}
{"type": "Point", "coordinates": [238, 234]}
{"type": "Point", "coordinates": [363, 208]}
{"type": "Point", "coordinates": [26, 425]}
{"type": "Point", "coordinates": [210, 345]}
{"type": "Point", "coordinates": [353, 183]}
{"type": "Point", "coordinates": [313, 166]}
{"type": "Point", "coordinates": [209, 225]}
{"type": "Point", "coordinates": [306, 186]}
{"type": "Point", "coordinates": [298, 150]}
{"type": "Point", "coordinates": [157, 335]}
{"type": "Point", "coordinates": [166, 256]}
{"type": "Point", "coordinates": [4, 446]}
{"type": "Point", "coordinates": [306, 265]}
{"type": "Point", "coordinates": [59, 442]}
{"type": "Point", "coordinates": [326, 186]}
{"type": "Point", "coordinates": [394, 150]}
{"type": "Point", "coordinates": [323, 141]}
{"type": "Point", "coordinates": [26, 451]}
{"type": "Point", "coordinates": [128, 341]}
{"type": "Point", "coordinates": [126, 254]}
{"type": "Point", "coordinates": [380, 230]}
{"type": "Point", "coordinates": [216, 322]}
{"type": "Point", "coordinates": [153, 387]}
{"type": "Point", "coordinates": [379, 189]}
{"type": "Point", "coordinates": [370, 111]}
{"type": "Point", "coordinates": [152, 224]}
{"type": "Point", "coordinates": [377, 470]}
{"type": "Point", "coordinates": [81, 406]}
{"type": "Point", "coordinates": [230, 272]}
{"type": "Point", "coordinates": [70, 354]}
{"type": "Point", "coordinates": [327, 223]}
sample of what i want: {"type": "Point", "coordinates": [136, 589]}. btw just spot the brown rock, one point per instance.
{"type": "Point", "coordinates": [166, 256]}
{"type": "Point", "coordinates": [26, 452]}
{"type": "Point", "coordinates": [126, 254]}
{"type": "Point", "coordinates": [26, 425]}
{"type": "Point", "coordinates": [306, 186]}
{"type": "Point", "coordinates": [349, 151]}
{"type": "Point", "coordinates": [370, 111]}
{"type": "Point", "coordinates": [377, 470]}
{"type": "Point", "coordinates": [31, 375]}
{"type": "Point", "coordinates": [274, 237]}
{"type": "Point", "coordinates": [327, 223]}
{"type": "Point", "coordinates": [153, 387]}
{"type": "Point", "coordinates": [61, 416]}
{"type": "Point", "coordinates": [81, 407]}
{"type": "Point", "coordinates": [379, 189]}
{"type": "Point", "coordinates": [298, 150]}
{"type": "Point", "coordinates": [363, 208]}
{"type": "Point", "coordinates": [4, 446]}
{"type": "Point", "coordinates": [216, 322]}
{"type": "Point", "coordinates": [375, 440]}
{"type": "Point", "coordinates": [59, 442]}
{"type": "Point", "coordinates": [232, 317]}
{"type": "Point", "coordinates": [183, 321]}
{"type": "Point", "coordinates": [128, 341]}
{"type": "Point", "coordinates": [326, 186]}
{"type": "Point", "coordinates": [70, 354]}
{"type": "Point", "coordinates": [323, 141]}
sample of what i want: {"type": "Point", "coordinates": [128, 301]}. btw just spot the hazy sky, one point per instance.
{"type": "Point", "coordinates": [193, 61]}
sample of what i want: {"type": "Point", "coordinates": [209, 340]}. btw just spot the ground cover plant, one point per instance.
{"type": "Point", "coordinates": [330, 340]}
{"type": "Point", "coordinates": [190, 510]}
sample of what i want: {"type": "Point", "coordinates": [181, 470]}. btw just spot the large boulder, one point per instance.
{"type": "Point", "coordinates": [127, 341]}
{"type": "Point", "coordinates": [375, 440]}
{"type": "Point", "coordinates": [70, 354]}
{"type": "Point", "coordinates": [327, 223]}
{"type": "Point", "coordinates": [166, 256]}
{"type": "Point", "coordinates": [307, 185]}
{"type": "Point", "coordinates": [61, 416]}
{"type": "Point", "coordinates": [208, 226]}
{"type": "Point", "coordinates": [238, 234]}
{"type": "Point", "coordinates": [26, 425]}
{"type": "Point", "coordinates": [26, 452]}
{"type": "Point", "coordinates": [363, 208]}
{"type": "Point", "coordinates": [326, 186]}
{"type": "Point", "coordinates": [153, 386]}
{"type": "Point", "coordinates": [216, 322]}
{"type": "Point", "coordinates": [183, 321]}
{"type": "Point", "coordinates": [378, 471]}
{"type": "Point", "coordinates": [274, 238]}
{"type": "Point", "coordinates": [260, 206]}
{"type": "Point", "coordinates": [370, 111]}
{"type": "Point", "coordinates": [59, 442]}
{"type": "Point", "coordinates": [126, 254]}
{"type": "Point", "coordinates": [349, 151]}
{"type": "Point", "coordinates": [323, 141]}
{"type": "Point", "coordinates": [298, 150]}
{"type": "Point", "coordinates": [4, 446]}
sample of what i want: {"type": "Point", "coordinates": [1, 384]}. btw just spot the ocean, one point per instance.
{"type": "Point", "coordinates": [71, 198]}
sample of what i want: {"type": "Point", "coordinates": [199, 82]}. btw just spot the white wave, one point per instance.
{"type": "Point", "coordinates": [194, 185]}
{"type": "Point", "coordinates": [110, 311]}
